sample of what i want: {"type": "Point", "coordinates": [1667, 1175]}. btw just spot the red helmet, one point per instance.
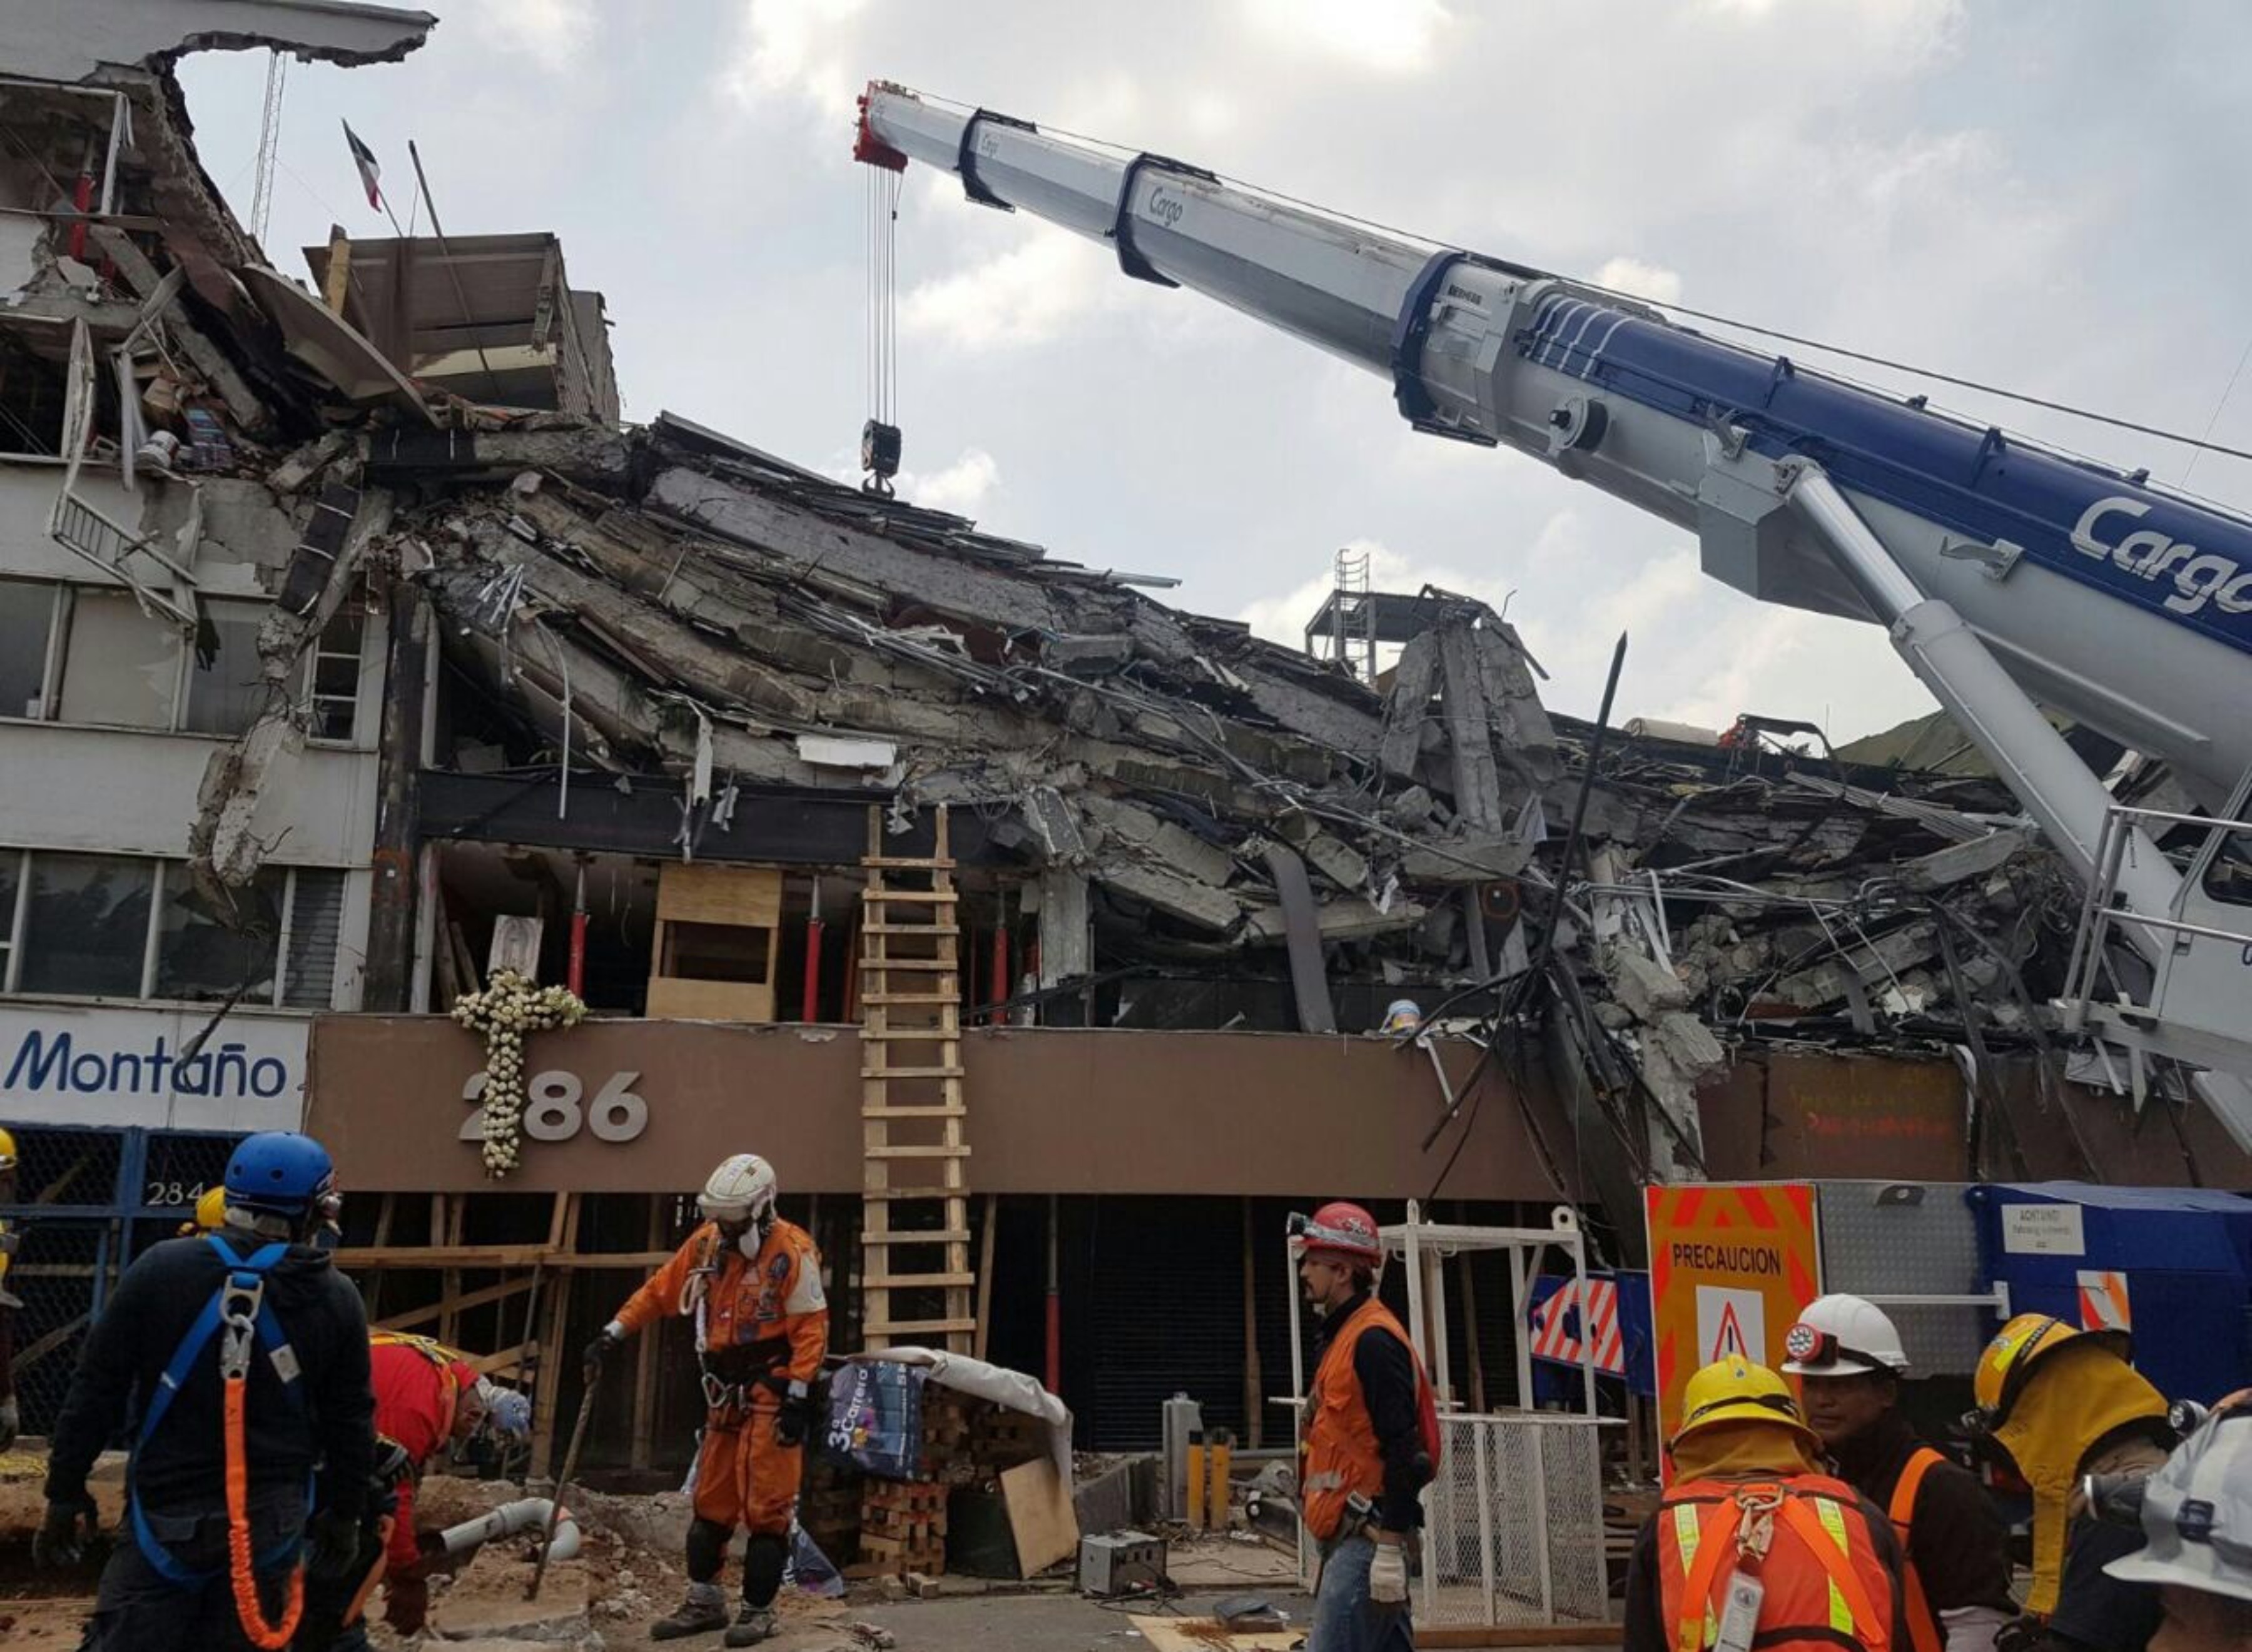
{"type": "Point", "coordinates": [1338, 1233]}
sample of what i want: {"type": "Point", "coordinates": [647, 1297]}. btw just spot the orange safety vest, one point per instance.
{"type": "Point", "coordinates": [1924, 1631]}
{"type": "Point", "coordinates": [1338, 1457]}
{"type": "Point", "coordinates": [1826, 1584]}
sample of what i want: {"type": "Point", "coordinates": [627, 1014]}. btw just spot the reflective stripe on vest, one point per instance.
{"type": "Point", "coordinates": [1923, 1627]}
{"type": "Point", "coordinates": [1814, 1534]}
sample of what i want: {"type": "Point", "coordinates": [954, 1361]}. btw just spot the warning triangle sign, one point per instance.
{"type": "Point", "coordinates": [1729, 1339]}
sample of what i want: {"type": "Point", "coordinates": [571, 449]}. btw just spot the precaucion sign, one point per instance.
{"type": "Point", "coordinates": [1730, 1266]}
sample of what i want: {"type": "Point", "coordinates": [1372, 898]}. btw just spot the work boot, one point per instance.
{"type": "Point", "coordinates": [705, 1610]}
{"type": "Point", "coordinates": [752, 1625]}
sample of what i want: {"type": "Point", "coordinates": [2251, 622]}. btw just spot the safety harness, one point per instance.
{"type": "Point", "coordinates": [1742, 1537]}
{"type": "Point", "coordinates": [238, 1315]}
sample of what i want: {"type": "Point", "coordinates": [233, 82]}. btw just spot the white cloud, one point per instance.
{"type": "Point", "coordinates": [1653, 282]}
{"type": "Point", "coordinates": [961, 487]}
{"type": "Point", "coordinates": [552, 33]}
{"type": "Point", "coordinates": [1026, 295]}
{"type": "Point", "coordinates": [798, 48]}
{"type": "Point", "coordinates": [1384, 36]}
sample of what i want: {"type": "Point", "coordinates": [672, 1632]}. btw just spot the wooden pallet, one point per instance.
{"type": "Point", "coordinates": [916, 1282]}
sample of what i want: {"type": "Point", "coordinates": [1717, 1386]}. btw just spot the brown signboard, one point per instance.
{"type": "Point", "coordinates": [651, 1106]}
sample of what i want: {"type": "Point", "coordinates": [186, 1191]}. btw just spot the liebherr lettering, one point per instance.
{"type": "Point", "coordinates": [2198, 577]}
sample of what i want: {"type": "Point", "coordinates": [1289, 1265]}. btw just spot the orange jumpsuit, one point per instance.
{"type": "Point", "coordinates": [762, 1323]}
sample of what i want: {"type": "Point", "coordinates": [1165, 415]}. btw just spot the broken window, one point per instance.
{"type": "Point", "coordinates": [27, 615]}
{"type": "Point", "coordinates": [332, 673]}
{"type": "Point", "coordinates": [126, 927]}
{"type": "Point", "coordinates": [123, 666]}
{"type": "Point", "coordinates": [86, 926]}
{"type": "Point", "coordinates": [31, 398]}
{"type": "Point", "coordinates": [316, 915]}
{"type": "Point", "coordinates": [199, 957]}
{"type": "Point", "coordinates": [226, 691]}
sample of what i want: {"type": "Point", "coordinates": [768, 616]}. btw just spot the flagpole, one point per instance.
{"type": "Point", "coordinates": [438, 230]}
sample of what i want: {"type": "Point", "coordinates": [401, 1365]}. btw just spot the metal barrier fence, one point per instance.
{"type": "Point", "coordinates": [1513, 1525]}
{"type": "Point", "coordinates": [88, 1202]}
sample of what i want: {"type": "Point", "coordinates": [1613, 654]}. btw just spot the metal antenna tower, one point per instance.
{"type": "Point", "coordinates": [269, 141]}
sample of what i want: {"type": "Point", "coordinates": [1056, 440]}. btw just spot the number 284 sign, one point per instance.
{"type": "Point", "coordinates": [556, 1107]}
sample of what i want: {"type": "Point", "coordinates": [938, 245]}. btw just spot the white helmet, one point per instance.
{"type": "Point", "coordinates": [741, 1189]}
{"type": "Point", "coordinates": [2197, 1514]}
{"type": "Point", "coordinates": [1843, 1336]}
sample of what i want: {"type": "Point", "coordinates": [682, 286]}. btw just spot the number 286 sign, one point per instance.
{"type": "Point", "coordinates": [556, 1107]}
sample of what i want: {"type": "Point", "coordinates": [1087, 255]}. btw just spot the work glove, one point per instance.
{"type": "Point", "coordinates": [9, 1422]}
{"type": "Point", "coordinates": [406, 1603]}
{"type": "Point", "coordinates": [334, 1540]}
{"type": "Point", "coordinates": [1387, 1575]}
{"type": "Point", "coordinates": [62, 1537]}
{"type": "Point", "coordinates": [598, 1350]}
{"type": "Point", "coordinates": [795, 1416]}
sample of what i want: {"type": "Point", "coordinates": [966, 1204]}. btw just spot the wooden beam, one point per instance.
{"type": "Point", "coordinates": [985, 1275]}
{"type": "Point", "coordinates": [338, 281]}
{"type": "Point", "coordinates": [477, 1298]}
{"type": "Point", "coordinates": [500, 1256]}
{"type": "Point", "coordinates": [642, 1449]}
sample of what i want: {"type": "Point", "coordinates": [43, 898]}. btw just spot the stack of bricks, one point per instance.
{"type": "Point", "coordinates": [903, 1528]}
{"type": "Point", "coordinates": [1002, 1439]}
{"type": "Point", "coordinates": [946, 1436]}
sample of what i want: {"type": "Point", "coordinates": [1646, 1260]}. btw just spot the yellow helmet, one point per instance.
{"type": "Point", "coordinates": [2008, 1361]}
{"type": "Point", "coordinates": [211, 1210]}
{"type": "Point", "coordinates": [7, 1150]}
{"type": "Point", "coordinates": [1735, 1389]}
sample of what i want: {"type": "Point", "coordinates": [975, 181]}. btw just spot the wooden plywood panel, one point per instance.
{"type": "Point", "coordinates": [1040, 1515]}
{"type": "Point", "coordinates": [709, 894]}
{"type": "Point", "coordinates": [673, 999]}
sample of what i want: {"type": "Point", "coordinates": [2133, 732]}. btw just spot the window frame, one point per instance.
{"type": "Point", "coordinates": [51, 655]}
{"type": "Point", "coordinates": [166, 869]}
{"type": "Point", "coordinates": [309, 696]}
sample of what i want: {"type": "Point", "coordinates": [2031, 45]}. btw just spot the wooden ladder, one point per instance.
{"type": "Point", "coordinates": [914, 1237]}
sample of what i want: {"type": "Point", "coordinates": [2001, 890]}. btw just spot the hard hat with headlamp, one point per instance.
{"type": "Point", "coordinates": [1843, 1336]}
{"type": "Point", "coordinates": [1340, 1233]}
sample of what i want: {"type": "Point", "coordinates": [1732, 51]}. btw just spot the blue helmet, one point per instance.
{"type": "Point", "coordinates": [279, 1173]}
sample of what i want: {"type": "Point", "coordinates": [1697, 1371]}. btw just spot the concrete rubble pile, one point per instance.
{"type": "Point", "coordinates": [665, 607]}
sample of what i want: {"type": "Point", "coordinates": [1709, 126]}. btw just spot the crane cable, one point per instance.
{"type": "Point", "coordinates": [881, 340]}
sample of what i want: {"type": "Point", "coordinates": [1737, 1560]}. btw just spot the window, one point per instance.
{"type": "Point", "coordinates": [316, 921]}
{"type": "Point", "coordinates": [124, 927]}
{"type": "Point", "coordinates": [86, 925]}
{"type": "Point", "coordinates": [226, 691]}
{"type": "Point", "coordinates": [334, 680]}
{"type": "Point", "coordinates": [199, 957]}
{"type": "Point", "coordinates": [123, 666]}
{"type": "Point", "coordinates": [27, 614]}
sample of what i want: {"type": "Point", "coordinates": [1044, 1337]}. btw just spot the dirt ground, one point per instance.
{"type": "Point", "coordinates": [628, 1576]}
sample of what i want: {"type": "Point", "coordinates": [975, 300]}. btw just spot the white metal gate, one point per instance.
{"type": "Point", "coordinates": [1513, 1525]}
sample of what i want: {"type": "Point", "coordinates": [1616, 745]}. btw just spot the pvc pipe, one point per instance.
{"type": "Point", "coordinates": [525, 1513]}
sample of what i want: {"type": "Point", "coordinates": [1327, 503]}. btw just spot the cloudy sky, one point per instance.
{"type": "Point", "coordinates": [2042, 197]}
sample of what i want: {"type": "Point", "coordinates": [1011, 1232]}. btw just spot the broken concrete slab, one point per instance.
{"type": "Point", "coordinates": [1135, 830]}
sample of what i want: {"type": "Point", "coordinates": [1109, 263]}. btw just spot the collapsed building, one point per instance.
{"type": "Point", "coordinates": [356, 649]}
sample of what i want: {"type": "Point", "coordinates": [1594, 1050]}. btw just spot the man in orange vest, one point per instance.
{"type": "Point", "coordinates": [1370, 1442]}
{"type": "Point", "coordinates": [752, 1284]}
{"type": "Point", "coordinates": [1847, 1355]}
{"type": "Point", "coordinates": [1752, 1544]}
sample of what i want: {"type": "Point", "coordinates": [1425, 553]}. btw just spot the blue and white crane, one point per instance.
{"type": "Point", "coordinates": [2009, 576]}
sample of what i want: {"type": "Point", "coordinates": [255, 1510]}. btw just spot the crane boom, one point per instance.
{"type": "Point", "coordinates": [2005, 572]}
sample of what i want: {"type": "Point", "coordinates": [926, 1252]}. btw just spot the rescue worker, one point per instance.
{"type": "Point", "coordinates": [2196, 1517]}
{"type": "Point", "coordinates": [752, 1284]}
{"type": "Point", "coordinates": [1847, 1355]}
{"type": "Point", "coordinates": [2056, 1403]}
{"type": "Point", "coordinates": [11, 1420]}
{"type": "Point", "coordinates": [242, 1359]}
{"type": "Point", "coordinates": [1752, 1544]}
{"type": "Point", "coordinates": [428, 1401]}
{"type": "Point", "coordinates": [1371, 1440]}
